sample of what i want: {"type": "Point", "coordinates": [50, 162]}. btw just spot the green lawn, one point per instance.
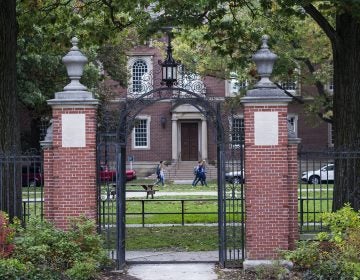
{"type": "Point", "coordinates": [178, 238]}
{"type": "Point", "coordinates": [314, 199]}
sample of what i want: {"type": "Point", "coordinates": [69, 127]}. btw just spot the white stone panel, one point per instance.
{"type": "Point", "coordinates": [266, 128]}
{"type": "Point", "coordinates": [73, 130]}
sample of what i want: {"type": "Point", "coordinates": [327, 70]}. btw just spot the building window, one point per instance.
{"type": "Point", "coordinates": [141, 133]}
{"type": "Point", "coordinates": [293, 124]}
{"type": "Point", "coordinates": [234, 85]}
{"type": "Point", "coordinates": [139, 69]}
{"type": "Point", "coordinates": [291, 82]}
{"type": "Point", "coordinates": [289, 85]}
{"type": "Point", "coordinates": [237, 131]}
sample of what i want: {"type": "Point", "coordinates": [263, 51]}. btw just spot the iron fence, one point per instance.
{"type": "Point", "coordinates": [180, 209]}
{"type": "Point", "coordinates": [21, 185]}
{"type": "Point", "coordinates": [317, 177]}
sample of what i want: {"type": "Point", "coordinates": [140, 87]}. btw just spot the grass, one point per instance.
{"type": "Point", "coordinates": [178, 238]}
{"type": "Point", "coordinates": [314, 199]}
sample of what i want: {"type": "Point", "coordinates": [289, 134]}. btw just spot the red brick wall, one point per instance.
{"type": "Point", "coordinates": [72, 189]}
{"type": "Point", "coordinates": [160, 138]}
{"type": "Point", "coordinates": [266, 189]}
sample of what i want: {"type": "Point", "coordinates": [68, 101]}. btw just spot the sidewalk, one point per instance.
{"type": "Point", "coordinates": [173, 271]}
{"type": "Point", "coordinates": [165, 193]}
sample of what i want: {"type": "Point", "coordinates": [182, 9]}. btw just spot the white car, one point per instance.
{"type": "Point", "coordinates": [235, 177]}
{"type": "Point", "coordinates": [324, 174]}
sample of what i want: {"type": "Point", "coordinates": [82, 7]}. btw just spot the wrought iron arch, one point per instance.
{"type": "Point", "coordinates": [133, 106]}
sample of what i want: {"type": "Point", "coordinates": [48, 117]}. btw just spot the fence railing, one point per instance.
{"type": "Point", "coordinates": [24, 175]}
{"type": "Point", "coordinates": [317, 176]}
{"type": "Point", "coordinates": [179, 211]}
{"type": "Point", "coordinates": [21, 185]}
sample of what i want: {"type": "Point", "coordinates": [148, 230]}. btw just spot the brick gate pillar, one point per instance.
{"type": "Point", "coordinates": [70, 148]}
{"type": "Point", "coordinates": [271, 167]}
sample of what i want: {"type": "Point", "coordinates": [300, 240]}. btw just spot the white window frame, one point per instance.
{"type": "Point", "coordinates": [148, 59]}
{"type": "Point", "coordinates": [295, 118]}
{"type": "Point", "coordinates": [240, 116]}
{"type": "Point", "coordinates": [233, 85]}
{"type": "Point", "coordinates": [147, 147]}
{"type": "Point", "coordinates": [297, 90]}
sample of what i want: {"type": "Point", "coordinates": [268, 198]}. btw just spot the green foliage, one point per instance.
{"type": "Point", "coordinates": [273, 271]}
{"type": "Point", "coordinates": [337, 255]}
{"type": "Point", "coordinates": [82, 270]}
{"type": "Point", "coordinates": [7, 233]}
{"type": "Point", "coordinates": [14, 269]}
{"type": "Point", "coordinates": [77, 253]}
{"type": "Point", "coordinates": [305, 255]}
{"type": "Point", "coordinates": [341, 221]}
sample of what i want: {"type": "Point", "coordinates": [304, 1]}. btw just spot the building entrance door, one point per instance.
{"type": "Point", "coordinates": [189, 141]}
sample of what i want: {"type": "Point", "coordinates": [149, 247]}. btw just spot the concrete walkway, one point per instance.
{"type": "Point", "coordinates": [173, 271]}
{"type": "Point", "coordinates": [165, 193]}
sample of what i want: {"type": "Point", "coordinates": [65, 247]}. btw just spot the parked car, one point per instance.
{"type": "Point", "coordinates": [109, 175]}
{"type": "Point", "coordinates": [324, 174]}
{"type": "Point", "coordinates": [235, 177]}
{"type": "Point", "coordinates": [31, 175]}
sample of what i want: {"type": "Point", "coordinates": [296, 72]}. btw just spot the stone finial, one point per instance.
{"type": "Point", "coordinates": [264, 60]}
{"type": "Point", "coordinates": [74, 62]}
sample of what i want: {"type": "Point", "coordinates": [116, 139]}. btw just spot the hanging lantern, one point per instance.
{"type": "Point", "coordinates": [169, 67]}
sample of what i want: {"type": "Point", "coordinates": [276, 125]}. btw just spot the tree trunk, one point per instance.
{"type": "Point", "coordinates": [10, 194]}
{"type": "Point", "coordinates": [347, 111]}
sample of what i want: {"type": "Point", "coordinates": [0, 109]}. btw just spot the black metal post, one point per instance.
{"type": "Point", "coordinates": [221, 192]}
{"type": "Point", "coordinates": [120, 207]}
{"type": "Point", "coordinates": [143, 213]}
{"type": "Point", "coordinates": [182, 213]}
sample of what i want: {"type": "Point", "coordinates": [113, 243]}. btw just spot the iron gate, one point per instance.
{"type": "Point", "coordinates": [228, 133]}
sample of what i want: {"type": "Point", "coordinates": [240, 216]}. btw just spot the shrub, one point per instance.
{"type": "Point", "coordinates": [13, 269]}
{"type": "Point", "coordinates": [82, 270]}
{"type": "Point", "coordinates": [77, 253]}
{"type": "Point", "coordinates": [273, 271]}
{"type": "Point", "coordinates": [305, 255]}
{"type": "Point", "coordinates": [341, 221]}
{"type": "Point", "coordinates": [7, 234]}
{"type": "Point", "coordinates": [337, 255]}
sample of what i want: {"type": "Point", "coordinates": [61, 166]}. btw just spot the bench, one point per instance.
{"type": "Point", "coordinates": [149, 189]}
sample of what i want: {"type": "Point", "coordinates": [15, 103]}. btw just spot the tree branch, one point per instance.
{"type": "Point", "coordinates": [121, 26]}
{"type": "Point", "coordinates": [322, 22]}
{"type": "Point", "coordinates": [290, 94]}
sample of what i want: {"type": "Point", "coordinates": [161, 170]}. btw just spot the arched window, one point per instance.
{"type": "Point", "coordinates": [138, 70]}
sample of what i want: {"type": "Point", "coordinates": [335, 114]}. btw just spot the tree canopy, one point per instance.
{"type": "Point", "coordinates": [322, 36]}
{"type": "Point", "coordinates": [288, 21]}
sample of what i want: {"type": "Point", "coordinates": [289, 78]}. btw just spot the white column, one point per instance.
{"type": "Point", "coordinates": [174, 140]}
{"type": "Point", "coordinates": [204, 146]}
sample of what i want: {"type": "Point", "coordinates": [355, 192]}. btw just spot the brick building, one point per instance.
{"type": "Point", "coordinates": [179, 132]}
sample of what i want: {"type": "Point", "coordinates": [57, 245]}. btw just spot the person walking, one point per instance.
{"type": "Point", "coordinates": [197, 174]}
{"type": "Point", "coordinates": [160, 174]}
{"type": "Point", "coordinates": [202, 174]}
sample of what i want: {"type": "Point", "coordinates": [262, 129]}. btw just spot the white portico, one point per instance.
{"type": "Point", "coordinates": [189, 134]}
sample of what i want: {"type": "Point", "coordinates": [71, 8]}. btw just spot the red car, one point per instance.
{"type": "Point", "coordinates": [109, 175]}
